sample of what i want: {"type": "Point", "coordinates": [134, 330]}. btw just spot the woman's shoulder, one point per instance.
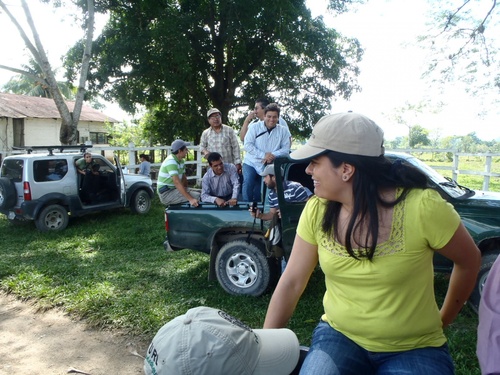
{"type": "Point", "coordinates": [424, 194]}
{"type": "Point", "coordinates": [315, 204]}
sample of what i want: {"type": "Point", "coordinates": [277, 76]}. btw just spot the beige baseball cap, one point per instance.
{"type": "Point", "coordinates": [209, 341]}
{"type": "Point", "coordinates": [348, 133]}
{"type": "Point", "coordinates": [212, 111]}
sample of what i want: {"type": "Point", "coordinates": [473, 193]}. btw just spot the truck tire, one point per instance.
{"type": "Point", "coordinates": [486, 264]}
{"type": "Point", "coordinates": [243, 269]}
{"type": "Point", "coordinates": [140, 202]}
{"type": "Point", "coordinates": [8, 194]}
{"type": "Point", "coordinates": [52, 218]}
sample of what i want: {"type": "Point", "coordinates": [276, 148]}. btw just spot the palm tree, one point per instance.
{"type": "Point", "coordinates": [32, 82]}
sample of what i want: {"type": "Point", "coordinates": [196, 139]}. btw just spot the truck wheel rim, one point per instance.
{"type": "Point", "coordinates": [241, 270]}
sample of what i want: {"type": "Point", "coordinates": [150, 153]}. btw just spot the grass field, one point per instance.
{"type": "Point", "coordinates": [111, 270]}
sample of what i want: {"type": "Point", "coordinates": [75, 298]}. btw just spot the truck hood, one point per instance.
{"type": "Point", "coordinates": [487, 198]}
{"type": "Point", "coordinates": [131, 178]}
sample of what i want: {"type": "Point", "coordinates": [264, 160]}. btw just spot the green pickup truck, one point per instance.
{"type": "Point", "coordinates": [244, 262]}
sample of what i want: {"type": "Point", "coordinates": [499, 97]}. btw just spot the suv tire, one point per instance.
{"type": "Point", "coordinates": [52, 218]}
{"type": "Point", "coordinates": [140, 202]}
{"type": "Point", "coordinates": [243, 269]}
{"type": "Point", "coordinates": [8, 194]}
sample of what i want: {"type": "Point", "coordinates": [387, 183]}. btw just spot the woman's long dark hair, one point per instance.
{"type": "Point", "coordinates": [372, 175]}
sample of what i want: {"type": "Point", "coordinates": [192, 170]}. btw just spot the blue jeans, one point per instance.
{"type": "Point", "coordinates": [333, 353]}
{"type": "Point", "coordinates": [252, 182]}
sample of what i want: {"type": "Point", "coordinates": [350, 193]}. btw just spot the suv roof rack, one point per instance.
{"type": "Point", "coordinates": [29, 149]}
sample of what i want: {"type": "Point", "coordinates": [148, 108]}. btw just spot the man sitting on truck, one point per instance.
{"type": "Point", "coordinates": [172, 180]}
{"type": "Point", "coordinates": [220, 184]}
{"type": "Point", "coordinates": [292, 191]}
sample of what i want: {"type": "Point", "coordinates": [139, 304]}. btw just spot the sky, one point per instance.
{"type": "Point", "coordinates": [392, 67]}
{"type": "Point", "coordinates": [390, 71]}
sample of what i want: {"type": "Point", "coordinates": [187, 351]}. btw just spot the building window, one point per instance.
{"type": "Point", "coordinates": [98, 138]}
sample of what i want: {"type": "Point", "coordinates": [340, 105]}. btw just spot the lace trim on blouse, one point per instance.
{"type": "Point", "coordinates": [393, 245]}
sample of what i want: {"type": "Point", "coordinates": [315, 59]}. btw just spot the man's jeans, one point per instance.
{"type": "Point", "coordinates": [252, 184]}
{"type": "Point", "coordinates": [332, 353]}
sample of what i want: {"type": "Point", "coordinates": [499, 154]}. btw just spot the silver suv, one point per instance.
{"type": "Point", "coordinates": [46, 187]}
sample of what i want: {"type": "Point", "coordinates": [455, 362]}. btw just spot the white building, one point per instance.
{"type": "Point", "coordinates": [34, 121]}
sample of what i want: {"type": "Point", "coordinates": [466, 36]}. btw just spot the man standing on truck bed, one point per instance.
{"type": "Point", "coordinates": [257, 115]}
{"type": "Point", "coordinates": [220, 184]}
{"type": "Point", "coordinates": [172, 181]}
{"type": "Point", "coordinates": [263, 143]}
{"type": "Point", "coordinates": [220, 138]}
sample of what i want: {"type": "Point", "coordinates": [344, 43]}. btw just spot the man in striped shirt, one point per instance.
{"type": "Point", "coordinates": [292, 191]}
{"type": "Point", "coordinates": [264, 142]}
{"type": "Point", "coordinates": [172, 181]}
{"type": "Point", "coordinates": [220, 185]}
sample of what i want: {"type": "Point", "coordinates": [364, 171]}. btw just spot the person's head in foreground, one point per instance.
{"type": "Point", "coordinates": [209, 341]}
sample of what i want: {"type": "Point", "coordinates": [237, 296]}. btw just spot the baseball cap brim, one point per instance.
{"type": "Point", "coordinates": [306, 152]}
{"type": "Point", "coordinates": [279, 351]}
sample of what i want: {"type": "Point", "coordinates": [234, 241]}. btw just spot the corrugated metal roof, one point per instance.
{"type": "Point", "coordinates": [22, 106]}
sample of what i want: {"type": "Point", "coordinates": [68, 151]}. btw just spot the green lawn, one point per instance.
{"type": "Point", "coordinates": [111, 270]}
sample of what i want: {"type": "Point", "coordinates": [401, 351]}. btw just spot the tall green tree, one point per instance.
{"type": "Point", "coordinates": [178, 58]}
{"type": "Point", "coordinates": [418, 137]}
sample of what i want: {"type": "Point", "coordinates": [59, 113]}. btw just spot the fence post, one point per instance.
{"type": "Point", "coordinates": [487, 170]}
{"type": "Point", "coordinates": [131, 156]}
{"type": "Point", "coordinates": [454, 172]}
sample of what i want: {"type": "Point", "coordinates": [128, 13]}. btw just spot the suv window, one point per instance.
{"type": "Point", "coordinates": [13, 169]}
{"type": "Point", "coordinates": [49, 170]}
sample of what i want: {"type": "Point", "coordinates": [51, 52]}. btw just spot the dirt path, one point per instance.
{"type": "Point", "coordinates": [50, 343]}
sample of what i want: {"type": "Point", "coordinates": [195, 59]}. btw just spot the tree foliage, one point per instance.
{"type": "Point", "coordinates": [179, 58]}
{"type": "Point", "coordinates": [463, 45]}
{"type": "Point", "coordinates": [418, 137]}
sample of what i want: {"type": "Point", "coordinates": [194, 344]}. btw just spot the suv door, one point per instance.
{"type": "Point", "coordinates": [120, 180]}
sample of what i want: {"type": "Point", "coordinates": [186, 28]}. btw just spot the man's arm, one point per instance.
{"type": "Point", "coordinates": [204, 143]}
{"type": "Point", "coordinates": [284, 149]}
{"type": "Point", "coordinates": [235, 182]}
{"type": "Point", "coordinates": [244, 128]}
{"type": "Point", "coordinates": [264, 216]}
{"type": "Point", "coordinates": [249, 144]}
{"type": "Point", "coordinates": [235, 149]}
{"type": "Point", "coordinates": [79, 169]}
{"type": "Point", "coordinates": [206, 191]}
{"type": "Point", "coordinates": [179, 185]}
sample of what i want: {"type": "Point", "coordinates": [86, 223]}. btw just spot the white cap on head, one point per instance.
{"type": "Point", "coordinates": [348, 133]}
{"type": "Point", "coordinates": [210, 341]}
{"type": "Point", "coordinates": [269, 169]}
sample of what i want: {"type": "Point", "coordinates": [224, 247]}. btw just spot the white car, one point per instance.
{"type": "Point", "coordinates": [47, 188]}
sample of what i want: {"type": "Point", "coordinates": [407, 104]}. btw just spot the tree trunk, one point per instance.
{"type": "Point", "coordinates": [69, 121]}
